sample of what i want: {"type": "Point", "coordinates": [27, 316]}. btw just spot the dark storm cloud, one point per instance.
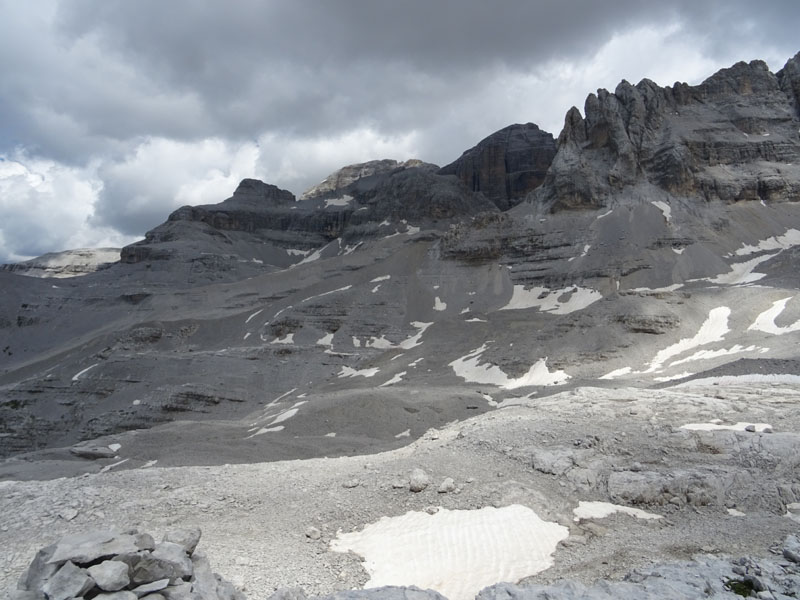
{"type": "Point", "coordinates": [148, 100]}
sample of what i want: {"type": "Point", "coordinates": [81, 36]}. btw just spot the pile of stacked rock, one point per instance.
{"type": "Point", "coordinates": [112, 565]}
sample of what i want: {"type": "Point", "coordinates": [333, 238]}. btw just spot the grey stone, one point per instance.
{"type": "Point", "coordinates": [149, 588]}
{"type": "Point", "coordinates": [39, 571]}
{"type": "Point", "coordinates": [313, 533]}
{"type": "Point", "coordinates": [204, 584]}
{"type": "Point", "coordinates": [351, 483]}
{"type": "Point", "coordinates": [110, 575]}
{"type": "Point", "coordinates": [791, 548]}
{"type": "Point", "coordinates": [152, 597]}
{"type": "Point", "coordinates": [84, 548]}
{"type": "Point", "coordinates": [123, 595]}
{"type": "Point", "coordinates": [69, 582]}
{"type": "Point", "coordinates": [295, 593]}
{"type": "Point", "coordinates": [418, 480]}
{"type": "Point", "coordinates": [180, 591]}
{"type": "Point", "coordinates": [92, 452]}
{"type": "Point", "coordinates": [175, 555]}
{"type": "Point", "coordinates": [186, 538]}
{"type": "Point", "coordinates": [447, 486]}
{"type": "Point", "coordinates": [25, 595]}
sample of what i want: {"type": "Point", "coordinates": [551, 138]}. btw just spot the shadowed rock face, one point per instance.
{"type": "Point", "coordinates": [507, 165]}
{"type": "Point", "coordinates": [733, 137]}
{"type": "Point", "coordinates": [259, 216]}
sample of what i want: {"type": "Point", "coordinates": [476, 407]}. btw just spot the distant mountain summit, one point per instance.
{"type": "Point", "coordinates": [736, 136]}
{"type": "Point", "coordinates": [506, 166]}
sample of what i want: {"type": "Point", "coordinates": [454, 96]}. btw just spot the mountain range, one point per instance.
{"type": "Point", "coordinates": [652, 247]}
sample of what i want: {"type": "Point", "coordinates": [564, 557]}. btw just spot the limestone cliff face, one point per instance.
{"type": "Point", "coordinates": [733, 137]}
{"type": "Point", "coordinates": [358, 202]}
{"type": "Point", "coordinates": [507, 165]}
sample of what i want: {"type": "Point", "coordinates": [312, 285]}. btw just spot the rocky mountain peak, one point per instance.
{"type": "Point", "coordinates": [506, 165]}
{"type": "Point", "coordinates": [732, 137]}
{"type": "Point", "coordinates": [351, 173]}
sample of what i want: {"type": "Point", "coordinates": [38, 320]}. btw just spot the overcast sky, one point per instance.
{"type": "Point", "coordinates": [115, 112]}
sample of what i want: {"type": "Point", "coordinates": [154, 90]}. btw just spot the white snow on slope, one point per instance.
{"type": "Point", "coordinates": [601, 510]}
{"type": "Point", "coordinates": [439, 305]}
{"type": "Point", "coordinates": [760, 427]}
{"type": "Point", "coordinates": [325, 340]}
{"type": "Point", "coordinates": [341, 289]}
{"type": "Point", "coordinates": [469, 368]}
{"type": "Point", "coordinates": [79, 374]}
{"type": "Point", "coordinates": [381, 343]}
{"type": "Point", "coordinates": [707, 354]}
{"type": "Point", "coordinates": [258, 312]}
{"type": "Point", "coordinates": [350, 372]}
{"type": "Point", "coordinates": [342, 201]}
{"type": "Point", "coordinates": [381, 278]}
{"type": "Point", "coordinates": [781, 242]}
{"type": "Point", "coordinates": [396, 379]}
{"type": "Point", "coordinates": [296, 252]}
{"type": "Point", "coordinates": [455, 552]}
{"type": "Point", "coordinates": [712, 330]}
{"type": "Point", "coordinates": [776, 378]}
{"type": "Point", "coordinates": [414, 340]}
{"type": "Point", "coordinates": [548, 300]}
{"type": "Point", "coordinates": [617, 373]}
{"type": "Point", "coordinates": [741, 273]}
{"type": "Point", "coordinates": [664, 208]}
{"type": "Point", "coordinates": [766, 320]}
{"type": "Point", "coordinates": [287, 339]}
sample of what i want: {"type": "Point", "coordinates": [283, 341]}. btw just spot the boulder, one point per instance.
{"type": "Point", "coordinates": [418, 480]}
{"type": "Point", "coordinates": [69, 582]}
{"type": "Point", "coordinates": [110, 575]}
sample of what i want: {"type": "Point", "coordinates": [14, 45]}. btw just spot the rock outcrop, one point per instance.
{"type": "Point", "coordinates": [733, 137]}
{"type": "Point", "coordinates": [70, 263]}
{"type": "Point", "coordinates": [507, 165]}
{"type": "Point", "coordinates": [351, 173]}
{"type": "Point", "coordinates": [123, 566]}
{"type": "Point", "coordinates": [260, 222]}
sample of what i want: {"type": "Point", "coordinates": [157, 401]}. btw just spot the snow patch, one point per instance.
{"type": "Point", "coordinates": [414, 340]}
{"type": "Point", "coordinates": [325, 340]}
{"type": "Point", "coordinates": [706, 354]}
{"type": "Point", "coordinates": [776, 378]}
{"type": "Point", "coordinates": [402, 434]}
{"type": "Point", "coordinates": [759, 427]}
{"type": "Point", "coordinates": [547, 300]}
{"type": "Point", "coordinates": [766, 320]}
{"type": "Point", "coordinates": [255, 314]}
{"type": "Point", "coordinates": [350, 372]}
{"type": "Point", "coordinates": [468, 367]}
{"type": "Point", "coordinates": [712, 330]}
{"type": "Point", "coordinates": [296, 252]}
{"type": "Point", "coordinates": [601, 510]}
{"type": "Point", "coordinates": [341, 289]}
{"type": "Point", "coordinates": [664, 208]}
{"type": "Point", "coordinates": [79, 374]}
{"type": "Point", "coordinates": [617, 373]}
{"type": "Point", "coordinates": [455, 552]}
{"type": "Point", "coordinates": [396, 379]}
{"type": "Point", "coordinates": [287, 339]}
{"type": "Point", "coordinates": [381, 343]}
{"type": "Point", "coordinates": [342, 201]}
{"type": "Point", "coordinates": [439, 305]}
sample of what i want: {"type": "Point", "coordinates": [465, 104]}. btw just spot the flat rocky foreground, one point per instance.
{"type": "Point", "coordinates": [725, 488]}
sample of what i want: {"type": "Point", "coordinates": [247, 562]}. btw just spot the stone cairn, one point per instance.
{"type": "Point", "coordinates": [111, 565]}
